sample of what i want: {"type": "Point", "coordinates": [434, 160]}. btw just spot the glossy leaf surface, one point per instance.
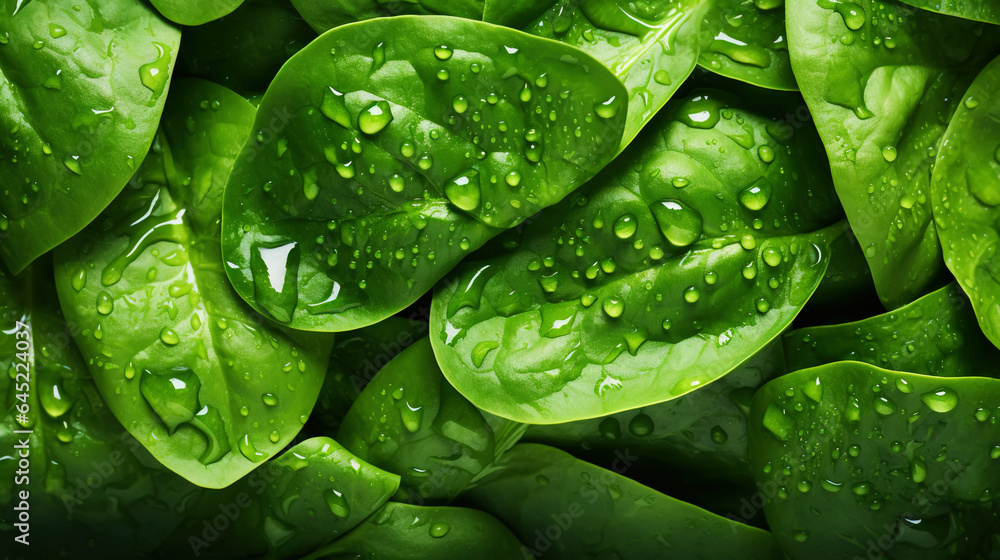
{"type": "Point", "coordinates": [207, 385]}
{"type": "Point", "coordinates": [405, 144]}
{"type": "Point", "coordinates": [934, 335]}
{"type": "Point", "coordinates": [650, 46]}
{"type": "Point", "coordinates": [683, 259]}
{"type": "Point", "coordinates": [859, 458]}
{"type": "Point", "coordinates": [79, 110]}
{"type": "Point", "coordinates": [966, 193]}
{"type": "Point", "coordinates": [703, 433]}
{"type": "Point", "coordinates": [747, 42]}
{"type": "Point", "coordinates": [409, 420]}
{"type": "Point", "coordinates": [561, 507]}
{"type": "Point", "coordinates": [979, 10]}
{"type": "Point", "coordinates": [881, 80]}
{"type": "Point", "coordinates": [355, 359]}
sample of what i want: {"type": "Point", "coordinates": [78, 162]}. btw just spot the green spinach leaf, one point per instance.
{"type": "Point", "coordinates": [244, 50]}
{"type": "Point", "coordinates": [651, 46]}
{"type": "Point", "coordinates": [355, 359]}
{"type": "Point", "coordinates": [87, 479]}
{"type": "Point", "coordinates": [82, 90]}
{"type": "Point", "coordinates": [195, 12]}
{"type": "Point", "coordinates": [679, 262]}
{"type": "Point", "coordinates": [965, 190]}
{"type": "Point", "coordinates": [881, 81]}
{"type": "Point", "coordinates": [411, 421]}
{"type": "Point", "coordinates": [703, 433]}
{"type": "Point", "coordinates": [403, 532]}
{"type": "Point", "coordinates": [207, 385]}
{"type": "Point", "coordinates": [980, 10]}
{"type": "Point", "coordinates": [312, 494]}
{"type": "Point", "coordinates": [405, 143]}
{"type": "Point", "coordinates": [748, 43]}
{"type": "Point", "coordinates": [324, 15]}
{"type": "Point", "coordinates": [934, 335]}
{"type": "Point", "coordinates": [855, 460]}
{"type": "Point", "coordinates": [561, 507]}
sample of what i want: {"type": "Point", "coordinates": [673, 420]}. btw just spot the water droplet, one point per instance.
{"type": "Point", "coordinates": [375, 117]}
{"type": "Point", "coordinates": [680, 224]}
{"type": "Point", "coordinates": [777, 422]}
{"type": "Point", "coordinates": [641, 425]}
{"type": "Point", "coordinates": [460, 104]}
{"type": "Point", "coordinates": [719, 435]}
{"type": "Point", "coordinates": [608, 109]}
{"type": "Point", "coordinates": [73, 164]}
{"type": "Point", "coordinates": [884, 406]}
{"type": "Point", "coordinates": [443, 52]}
{"type": "Point", "coordinates": [766, 154]}
{"type": "Point", "coordinates": [691, 294]}
{"type": "Point", "coordinates": [169, 337]}
{"type": "Point", "coordinates": [940, 400]}
{"type": "Point", "coordinates": [439, 530]}
{"type": "Point", "coordinates": [275, 273]}
{"type": "Point", "coordinates": [756, 196]}
{"type": "Point", "coordinates": [336, 502]}
{"type": "Point", "coordinates": [464, 191]}
{"type": "Point", "coordinates": [154, 75]}
{"type": "Point", "coordinates": [614, 307]}
{"type": "Point", "coordinates": [105, 303]}
{"type": "Point", "coordinates": [625, 226]}
{"type": "Point", "coordinates": [610, 429]}
{"type": "Point", "coordinates": [889, 153]}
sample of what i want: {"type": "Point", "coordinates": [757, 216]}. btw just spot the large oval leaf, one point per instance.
{"type": "Point", "coordinates": [679, 262]}
{"type": "Point", "coordinates": [207, 385]}
{"type": "Point", "coordinates": [651, 46]}
{"type": "Point", "coordinates": [854, 460]}
{"type": "Point", "coordinates": [966, 192]}
{"type": "Point", "coordinates": [881, 80]}
{"type": "Point", "coordinates": [934, 335]}
{"type": "Point", "coordinates": [747, 43]}
{"type": "Point", "coordinates": [562, 507]}
{"type": "Point", "coordinates": [980, 10]}
{"type": "Point", "coordinates": [404, 532]}
{"type": "Point", "coordinates": [387, 150]}
{"type": "Point", "coordinates": [703, 433]}
{"type": "Point", "coordinates": [81, 91]}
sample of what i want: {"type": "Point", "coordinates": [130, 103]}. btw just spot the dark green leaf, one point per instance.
{"type": "Point", "coordinates": [387, 150]}
{"type": "Point", "coordinates": [935, 335]}
{"type": "Point", "coordinates": [207, 385]}
{"type": "Point", "coordinates": [406, 532]}
{"type": "Point", "coordinates": [882, 80]}
{"type": "Point", "coordinates": [965, 191]}
{"type": "Point", "coordinates": [309, 496]}
{"type": "Point", "coordinates": [561, 507]}
{"type": "Point", "coordinates": [81, 91]}
{"type": "Point", "coordinates": [244, 50]}
{"type": "Point", "coordinates": [409, 420]}
{"type": "Point", "coordinates": [704, 433]}
{"type": "Point", "coordinates": [856, 461]}
{"type": "Point", "coordinates": [683, 259]}
{"type": "Point", "coordinates": [356, 357]}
